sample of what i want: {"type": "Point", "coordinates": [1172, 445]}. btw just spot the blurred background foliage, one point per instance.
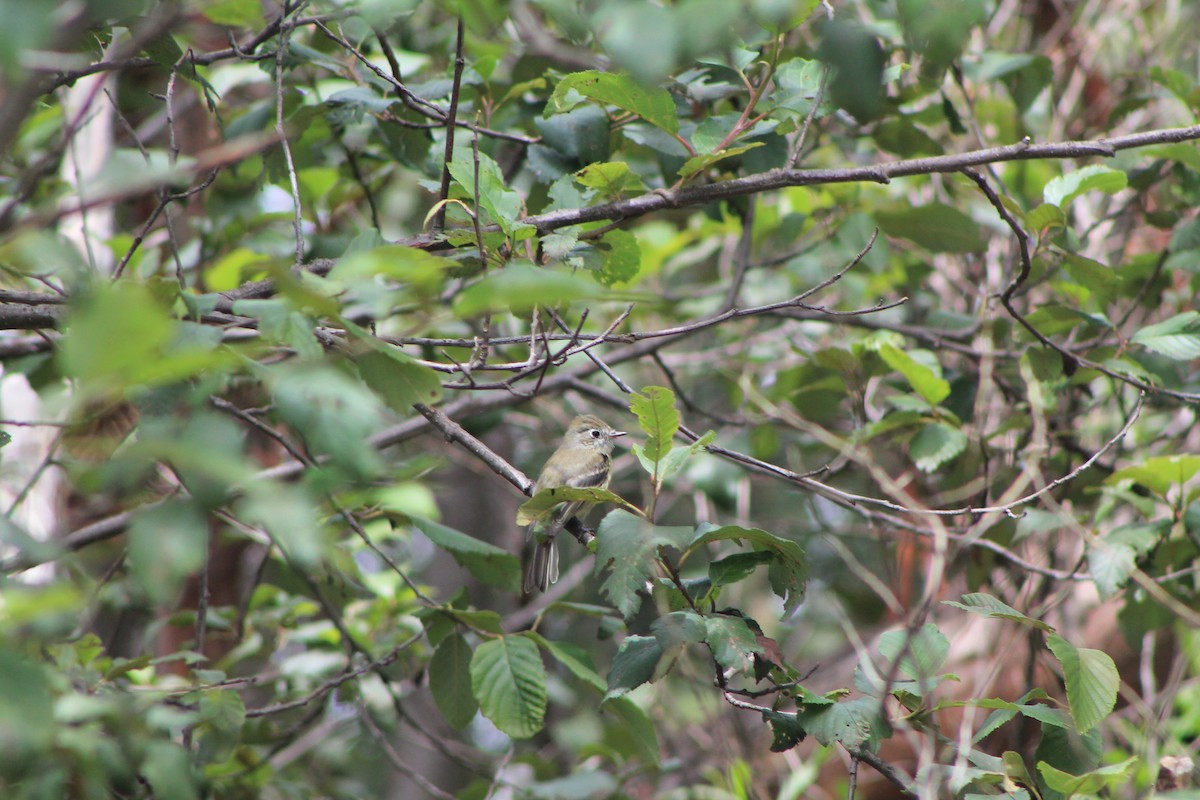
{"type": "Point", "coordinates": [912, 419]}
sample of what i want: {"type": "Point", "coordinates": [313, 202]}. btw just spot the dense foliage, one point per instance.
{"type": "Point", "coordinates": [895, 299]}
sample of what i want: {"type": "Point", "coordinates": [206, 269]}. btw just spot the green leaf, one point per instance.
{"type": "Point", "coordinates": [27, 714]}
{"type": "Point", "coordinates": [520, 286]}
{"type": "Point", "coordinates": [674, 461]}
{"type": "Point", "coordinates": [538, 507]}
{"type": "Point", "coordinates": [281, 323]}
{"type": "Point", "coordinates": [1045, 216]}
{"type": "Point", "coordinates": [788, 570]}
{"type": "Point", "coordinates": [1092, 681]}
{"type": "Point", "coordinates": [786, 731]}
{"type": "Point", "coordinates": [576, 659]}
{"type": "Point", "coordinates": [114, 334]}
{"type": "Point", "coordinates": [1089, 783]}
{"type": "Point", "coordinates": [737, 567]}
{"type": "Point", "coordinates": [854, 723]}
{"type": "Point", "coordinates": [1097, 278]}
{"type": "Point", "coordinates": [334, 412]}
{"type": "Point", "coordinates": [167, 543]}
{"type": "Point", "coordinates": [234, 13]}
{"type": "Point", "coordinates": [503, 205]}
{"type": "Point", "coordinates": [620, 258]}
{"type": "Point", "coordinates": [398, 380]}
{"type": "Point", "coordinates": [653, 105]}
{"type": "Point", "coordinates": [655, 409]}
{"type": "Point", "coordinates": [626, 546]}
{"type": "Point", "coordinates": [485, 561]}
{"type": "Point", "coordinates": [935, 444]}
{"type": "Point", "coordinates": [927, 650]}
{"type": "Point", "coordinates": [936, 227]}
{"type": "Point", "coordinates": [636, 731]}
{"type": "Point", "coordinates": [733, 643]}
{"type": "Point", "coordinates": [612, 179]}
{"type": "Point", "coordinates": [1113, 557]}
{"type": "Point", "coordinates": [1177, 337]}
{"type": "Point", "coordinates": [167, 768]}
{"type": "Point", "coordinates": [1159, 473]}
{"type": "Point", "coordinates": [704, 161]}
{"type": "Point", "coordinates": [987, 606]}
{"type": "Point", "coordinates": [1062, 190]}
{"type": "Point", "coordinates": [674, 632]}
{"type": "Point", "coordinates": [923, 380]}
{"type": "Point", "coordinates": [288, 514]}
{"type": "Point", "coordinates": [450, 681]}
{"type": "Point", "coordinates": [509, 682]}
{"type": "Point", "coordinates": [634, 664]}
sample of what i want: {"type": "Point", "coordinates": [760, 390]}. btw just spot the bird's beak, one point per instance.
{"type": "Point", "coordinates": [615, 434]}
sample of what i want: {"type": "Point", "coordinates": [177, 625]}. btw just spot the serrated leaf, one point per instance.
{"type": "Point", "coordinates": [987, 606]}
{"type": "Point", "coordinates": [1177, 338]}
{"type": "Point", "coordinates": [733, 643]}
{"type": "Point", "coordinates": [932, 388]}
{"type": "Point", "coordinates": [651, 104]}
{"type": "Point", "coordinates": [674, 632]}
{"type": "Point", "coordinates": [509, 681]}
{"type": "Point", "coordinates": [450, 681]}
{"type": "Point", "coordinates": [788, 567]}
{"type": "Point", "coordinates": [655, 409]}
{"type": "Point", "coordinates": [853, 723]}
{"type": "Point", "coordinates": [1092, 681]}
{"type": "Point", "coordinates": [540, 506]}
{"type": "Point", "coordinates": [926, 651]}
{"type": "Point", "coordinates": [937, 227]}
{"type": "Point", "coordinates": [620, 258]}
{"type": "Point", "coordinates": [634, 664]}
{"type": "Point", "coordinates": [626, 546]}
{"type": "Point", "coordinates": [935, 444]}
{"type": "Point", "coordinates": [1062, 190]}
{"type": "Point", "coordinates": [611, 178]}
{"type": "Point", "coordinates": [485, 561]}
{"type": "Point", "coordinates": [786, 730]}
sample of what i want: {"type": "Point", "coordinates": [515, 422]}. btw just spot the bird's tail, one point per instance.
{"type": "Point", "coordinates": [542, 569]}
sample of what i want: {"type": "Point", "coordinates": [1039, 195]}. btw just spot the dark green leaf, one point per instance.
{"type": "Point", "coordinates": [733, 643]}
{"type": "Point", "coordinates": [450, 681]}
{"type": "Point", "coordinates": [633, 665]}
{"type": "Point", "coordinates": [786, 731]}
{"type": "Point", "coordinates": [936, 227]}
{"type": "Point", "coordinates": [626, 546]}
{"type": "Point", "coordinates": [485, 561]}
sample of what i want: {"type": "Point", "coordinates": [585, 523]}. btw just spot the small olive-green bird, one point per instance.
{"type": "Point", "coordinates": [582, 461]}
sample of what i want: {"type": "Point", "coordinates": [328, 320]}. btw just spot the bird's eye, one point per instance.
{"type": "Point", "coordinates": [595, 434]}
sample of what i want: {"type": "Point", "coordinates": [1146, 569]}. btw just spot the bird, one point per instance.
{"type": "Point", "coordinates": [583, 461]}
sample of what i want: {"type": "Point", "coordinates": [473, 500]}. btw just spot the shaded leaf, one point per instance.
{"type": "Point", "coordinates": [450, 681]}
{"type": "Point", "coordinates": [937, 227]}
{"type": "Point", "coordinates": [634, 664]}
{"type": "Point", "coordinates": [935, 444]}
{"type": "Point", "coordinates": [488, 563]}
{"type": "Point", "coordinates": [1062, 190]}
{"type": "Point", "coordinates": [988, 606]}
{"type": "Point", "coordinates": [626, 546]}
